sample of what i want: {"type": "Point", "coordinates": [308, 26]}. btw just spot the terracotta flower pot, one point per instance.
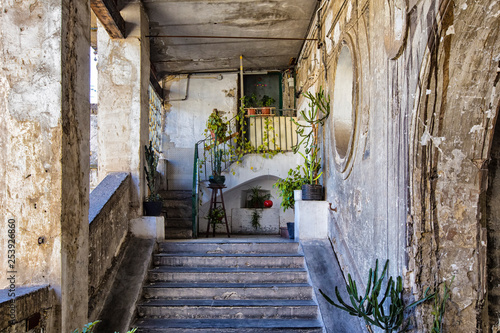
{"type": "Point", "coordinates": [266, 110]}
{"type": "Point", "coordinates": [251, 111]}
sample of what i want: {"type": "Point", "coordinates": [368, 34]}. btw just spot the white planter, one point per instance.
{"type": "Point", "coordinates": [297, 195]}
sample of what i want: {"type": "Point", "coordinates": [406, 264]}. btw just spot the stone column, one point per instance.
{"type": "Point", "coordinates": [44, 150]}
{"type": "Point", "coordinates": [123, 82]}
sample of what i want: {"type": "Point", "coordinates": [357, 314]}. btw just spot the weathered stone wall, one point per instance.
{"type": "Point", "coordinates": [108, 227]}
{"type": "Point", "coordinates": [33, 310]}
{"type": "Point", "coordinates": [408, 186]}
{"type": "Point", "coordinates": [44, 135]}
{"type": "Point", "coordinates": [123, 83]}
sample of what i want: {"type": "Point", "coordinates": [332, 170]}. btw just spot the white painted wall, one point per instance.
{"type": "Point", "coordinates": [189, 100]}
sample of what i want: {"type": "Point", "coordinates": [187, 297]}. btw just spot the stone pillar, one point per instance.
{"type": "Point", "coordinates": [123, 82]}
{"type": "Point", "coordinates": [311, 220]}
{"type": "Point", "coordinates": [44, 150]}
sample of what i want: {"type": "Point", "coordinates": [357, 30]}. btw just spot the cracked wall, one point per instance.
{"type": "Point", "coordinates": [409, 188]}
{"type": "Point", "coordinates": [44, 117]}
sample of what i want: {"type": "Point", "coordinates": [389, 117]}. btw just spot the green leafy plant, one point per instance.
{"type": "Point", "coordinates": [89, 328]}
{"type": "Point", "coordinates": [439, 307]}
{"type": "Point", "coordinates": [286, 186]}
{"type": "Point", "coordinates": [315, 116]}
{"type": "Point", "coordinates": [151, 173]}
{"type": "Point", "coordinates": [371, 308]}
{"type": "Point", "coordinates": [215, 216]}
{"type": "Point", "coordinates": [250, 101]}
{"type": "Point", "coordinates": [217, 125]}
{"type": "Point", "coordinates": [267, 101]}
{"type": "Point", "coordinates": [256, 219]}
{"type": "Point", "coordinates": [257, 197]}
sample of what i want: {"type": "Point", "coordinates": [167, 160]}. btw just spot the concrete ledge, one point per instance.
{"type": "Point", "coordinates": [311, 220]}
{"type": "Point", "coordinates": [36, 303]}
{"type": "Point", "coordinates": [149, 227]}
{"type": "Point", "coordinates": [325, 274]}
{"type": "Point", "coordinates": [119, 309]}
{"type": "Point", "coordinates": [102, 194]}
{"type": "Point", "coordinates": [108, 228]}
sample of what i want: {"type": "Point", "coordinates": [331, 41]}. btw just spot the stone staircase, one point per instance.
{"type": "Point", "coordinates": [228, 287]}
{"type": "Point", "coordinates": [177, 209]}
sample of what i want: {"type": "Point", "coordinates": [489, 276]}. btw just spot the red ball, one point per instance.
{"type": "Point", "coordinates": [268, 203]}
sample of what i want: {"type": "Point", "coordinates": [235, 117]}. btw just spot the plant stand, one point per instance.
{"type": "Point", "coordinates": [213, 204]}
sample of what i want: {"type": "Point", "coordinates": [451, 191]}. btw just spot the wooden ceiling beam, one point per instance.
{"type": "Point", "coordinates": [109, 16]}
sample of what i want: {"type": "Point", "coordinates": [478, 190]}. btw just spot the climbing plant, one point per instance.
{"type": "Point", "coordinates": [233, 133]}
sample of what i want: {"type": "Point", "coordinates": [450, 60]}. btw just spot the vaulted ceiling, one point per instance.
{"type": "Point", "coordinates": [268, 34]}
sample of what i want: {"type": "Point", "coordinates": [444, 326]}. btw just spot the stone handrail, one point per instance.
{"type": "Point", "coordinates": [108, 228]}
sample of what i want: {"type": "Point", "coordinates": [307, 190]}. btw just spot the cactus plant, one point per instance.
{"type": "Point", "coordinates": [373, 310]}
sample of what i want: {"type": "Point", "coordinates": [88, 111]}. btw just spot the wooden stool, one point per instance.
{"type": "Point", "coordinates": [213, 205]}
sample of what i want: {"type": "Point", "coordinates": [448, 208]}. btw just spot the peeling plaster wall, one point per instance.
{"type": "Point", "coordinates": [123, 101]}
{"type": "Point", "coordinates": [413, 176]}
{"type": "Point", "coordinates": [44, 119]}
{"type": "Point", "coordinates": [189, 101]}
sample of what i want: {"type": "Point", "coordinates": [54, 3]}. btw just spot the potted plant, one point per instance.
{"type": "Point", "coordinates": [250, 103]}
{"type": "Point", "coordinates": [215, 216]}
{"type": "Point", "coordinates": [319, 110]}
{"type": "Point", "coordinates": [266, 104]}
{"type": "Point", "coordinates": [286, 188]}
{"type": "Point", "coordinates": [257, 197]}
{"type": "Point", "coordinates": [216, 177]}
{"type": "Point", "coordinates": [153, 203]}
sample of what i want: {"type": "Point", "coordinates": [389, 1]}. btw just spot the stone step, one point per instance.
{"type": "Point", "coordinates": [281, 260]}
{"type": "Point", "coordinates": [178, 233]}
{"type": "Point", "coordinates": [228, 325]}
{"type": "Point", "coordinates": [229, 275]}
{"type": "Point", "coordinates": [229, 309]}
{"type": "Point", "coordinates": [233, 247]}
{"type": "Point", "coordinates": [177, 209]}
{"type": "Point", "coordinates": [224, 291]}
{"type": "Point", "coordinates": [179, 222]}
{"type": "Point", "coordinates": [176, 195]}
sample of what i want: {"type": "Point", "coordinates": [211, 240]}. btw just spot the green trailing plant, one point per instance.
{"type": "Point", "coordinates": [439, 307]}
{"type": "Point", "coordinates": [383, 309]}
{"type": "Point", "coordinates": [89, 328]}
{"type": "Point", "coordinates": [257, 197]}
{"type": "Point", "coordinates": [217, 125]}
{"type": "Point", "coordinates": [151, 173]}
{"type": "Point", "coordinates": [293, 181]}
{"type": "Point", "coordinates": [314, 117]}
{"type": "Point", "coordinates": [256, 219]}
